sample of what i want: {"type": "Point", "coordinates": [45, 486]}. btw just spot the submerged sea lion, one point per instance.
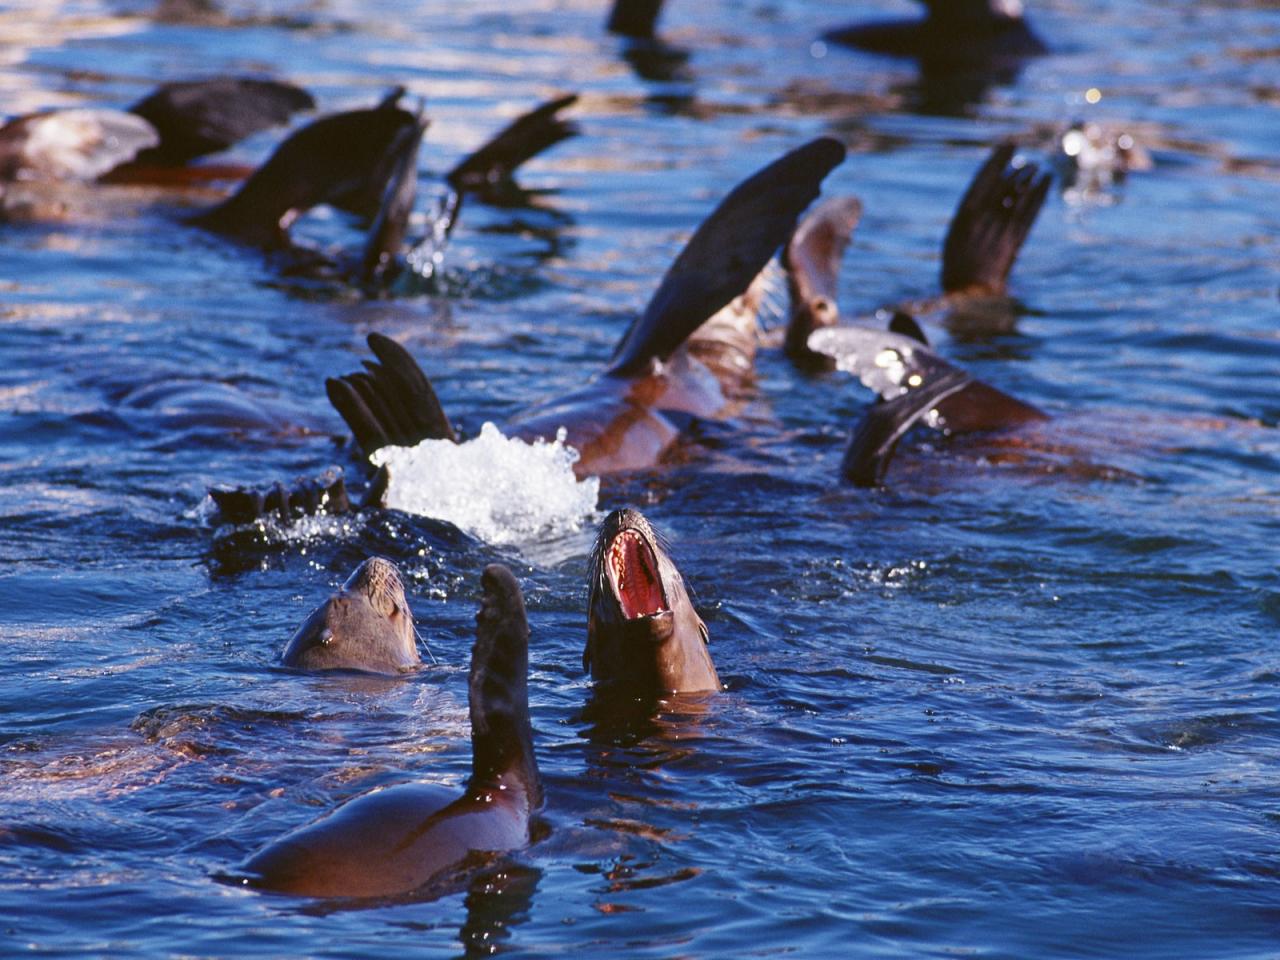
{"type": "Point", "coordinates": [690, 353]}
{"type": "Point", "coordinates": [171, 126]}
{"type": "Point", "coordinates": [957, 32]}
{"type": "Point", "coordinates": [403, 838]}
{"type": "Point", "coordinates": [643, 634]}
{"type": "Point", "coordinates": [367, 625]}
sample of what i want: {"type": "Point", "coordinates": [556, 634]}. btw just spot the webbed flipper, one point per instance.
{"type": "Point", "coordinates": [194, 118]}
{"type": "Point", "coordinates": [390, 402]}
{"type": "Point", "coordinates": [876, 438]}
{"type": "Point", "coordinates": [812, 259]}
{"type": "Point", "coordinates": [332, 160]}
{"type": "Point", "coordinates": [524, 138]}
{"type": "Point", "coordinates": [726, 253]}
{"type": "Point", "coordinates": [989, 226]}
{"type": "Point", "coordinates": [307, 496]}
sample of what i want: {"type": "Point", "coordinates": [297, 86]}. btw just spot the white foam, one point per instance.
{"type": "Point", "coordinates": [500, 489]}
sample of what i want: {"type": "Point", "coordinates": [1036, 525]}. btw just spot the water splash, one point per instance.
{"type": "Point", "coordinates": [500, 489]}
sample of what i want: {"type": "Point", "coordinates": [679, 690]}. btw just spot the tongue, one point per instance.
{"type": "Point", "coordinates": [640, 593]}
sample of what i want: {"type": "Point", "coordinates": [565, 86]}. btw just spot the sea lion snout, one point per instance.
{"type": "Point", "coordinates": [366, 625]}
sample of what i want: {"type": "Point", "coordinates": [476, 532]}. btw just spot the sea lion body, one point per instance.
{"type": "Point", "coordinates": [629, 423]}
{"type": "Point", "coordinates": [690, 354]}
{"type": "Point", "coordinates": [643, 633]}
{"type": "Point", "coordinates": [405, 838]}
{"type": "Point", "coordinates": [367, 625]}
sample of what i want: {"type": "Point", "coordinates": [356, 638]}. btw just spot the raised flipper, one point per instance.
{"type": "Point", "coordinates": [876, 438]}
{"type": "Point", "coordinates": [204, 116]}
{"type": "Point", "coordinates": [385, 244]}
{"type": "Point", "coordinates": [893, 364]}
{"type": "Point", "coordinates": [330, 160]}
{"type": "Point", "coordinates": [309, 496]}
{"type": "Point", "coordinates": [391, 402]}
{"type": "Point", "coordinates": [812, 259]}
{"type": "Point", "coordinates": [726, 253]}
{"type": "Point", "coordinates": [990, 224]}
{"type": "Point", "coordinates": [526, 137]}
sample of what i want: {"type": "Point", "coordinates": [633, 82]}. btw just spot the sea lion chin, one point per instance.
{"type": "Point", "coordinates": [367, 625]}
{"type": "Point", "coordinates": [642, 631]}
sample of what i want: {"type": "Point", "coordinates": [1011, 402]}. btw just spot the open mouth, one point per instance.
{"type": "Point", "coordinates": [633, 574]}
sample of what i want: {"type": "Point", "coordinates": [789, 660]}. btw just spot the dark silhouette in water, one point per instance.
{"type": "Point", "coordinates": [963, 47]}
{"type": "Point", "coordinates": [173, 125]}
{"type": "Point", "coordinates": [365, 161]}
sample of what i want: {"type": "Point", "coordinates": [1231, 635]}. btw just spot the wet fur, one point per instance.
{"type": "Point", "coordinates": [410, 837]}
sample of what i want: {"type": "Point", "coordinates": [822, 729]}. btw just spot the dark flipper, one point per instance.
{"type": "Point", "coordinates": [204, 116]}
{"type": "Point", "coordinates": [328, 161]}
{"type": "Point", "coordinates": [905, 324]}
{"type": "Point", "coordinates": [893, 364]}
{"type": "Point", "coordinates": [325, 494]}
{"type": "Point", "coordinates": [876, 438]}
{"type": "Point", "coordinates": [385, 245]}
{"type": "Point", "coordinates": [524, 138]}
{"type": "Point", "coordinates": [634, 18]}
{"type": "Point", "coordinates": [391, 402]}
{"type": "Point", "coordinates": [990, 224]}
{"type": "Point", "coordinates": [726, 253]}
{"type": "Point", "coordinates": [812, 259]}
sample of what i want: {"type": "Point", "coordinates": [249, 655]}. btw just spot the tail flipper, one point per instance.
{"type": "Point", "coordinates": [331, 160]}
{"type": "Point", "coordinates": [990, 224]}
{"type": "Point", "coordinates": [390, 402]}
{"type": "Point", "coordinates": [526, 137]}
{"type": "Point", "coordinates": [204, 116]}
{"type": "Point", "coordinates": [812, 259]}
{"type": "Point", "coordinates": [874, 441]}
{"type": "Point", "coordinates": [634, 18]}
{"type": "Point", "coordinates": [726, 253]}
{"type": "Point", "coordinates": [325, 494]}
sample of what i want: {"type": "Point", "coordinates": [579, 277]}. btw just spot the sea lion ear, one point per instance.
{"type": "Point", "coordinates": [706, 634]}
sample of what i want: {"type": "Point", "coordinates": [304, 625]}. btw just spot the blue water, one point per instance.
{"type": "Point", "coordinates": [1018, 704]}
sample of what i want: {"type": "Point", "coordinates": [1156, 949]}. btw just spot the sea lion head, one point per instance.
{"type": "Point", "coordinates": [642, 630]}
{"type": "Point", "coordinates": [367, 625]}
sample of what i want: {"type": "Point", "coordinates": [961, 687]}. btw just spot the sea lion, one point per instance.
{"type": "Point", "coordinates": [174, 124]}
{"type": "Point", "coordinates": [960, 33]}
{"type": "Point", "coordinates": [403, 838]}
{"type": "Point", "coordinates": [690, 353]}
{"type": "Point", "coordinates": [643, 634]}
{"type": "Point", "coordinates": [986, 233]}
{"type": "Point", "coordinates": [988, 229]}
{"type": "Point", "coordinates": [367, 625]}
